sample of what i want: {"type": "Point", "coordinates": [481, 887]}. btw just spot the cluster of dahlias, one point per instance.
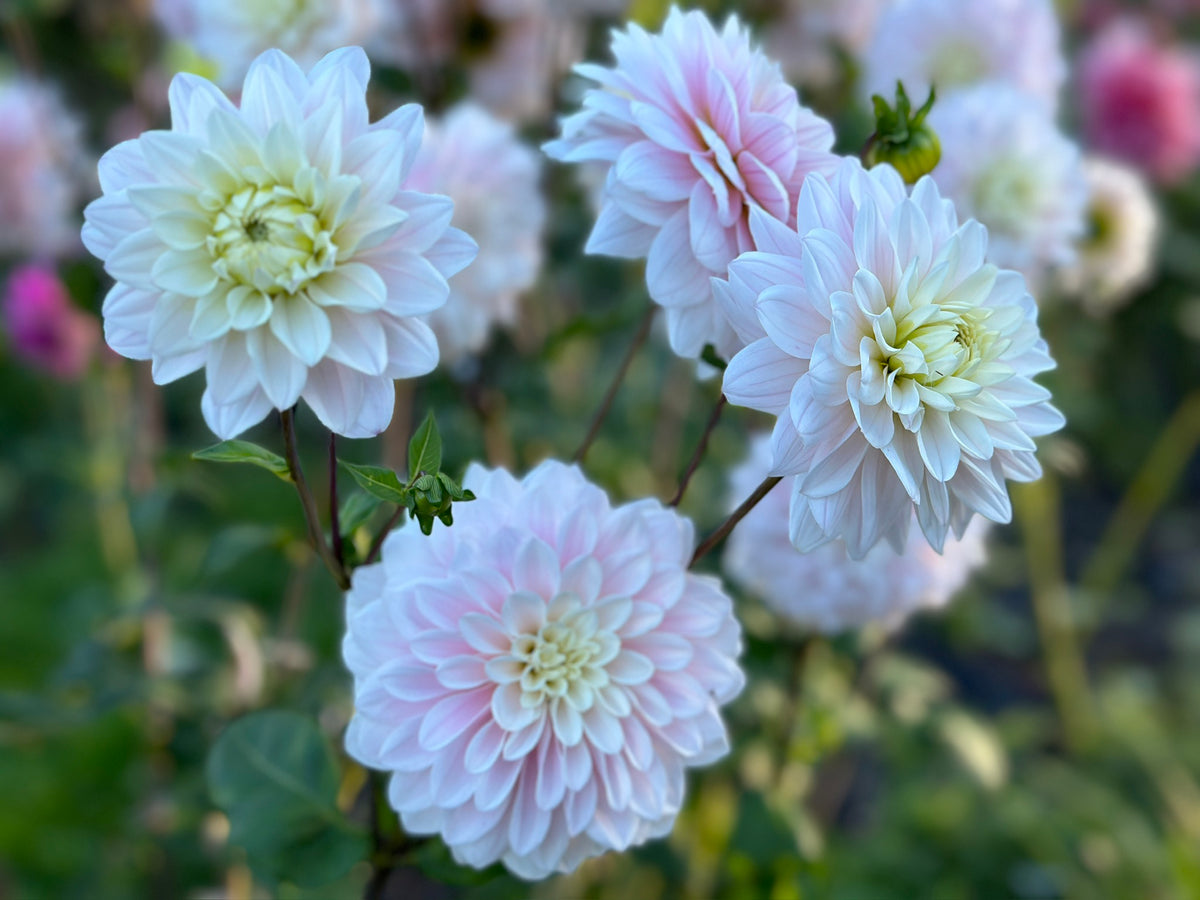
{"type": "Point", "coordinates": [538, 678]}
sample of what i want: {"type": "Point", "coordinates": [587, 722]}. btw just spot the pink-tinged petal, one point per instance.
{"type": "Point", "coordinates": [581, 808]}
{"type": "Point", "coordinates": [630, 668]}
{"type": "Point", "coordinates": [656, 171]}
{"type": "Point", "coordinates": [485, 633]}
{"type": "Point", "coordinates": [450, 717]}
{"type": "Point", "coordinates": [567, 722]}
{"type": "Point", "coordinates": [521, 742]}
{"type": "Point", "coordinates": [667, 652]}
{"type": "Point", "coordinates": [618, 234]}
{"type": "Point", "coordinates": [528, 822]}
{"type": "Point", "coordinates": [712, 244]}
{"type": "Point", "coordinates": [524, 613]}
{"type": "Point", "coordinates": [674, 276]}
{"type": "Point", "coordinates": [762, 376]}
{"type": "Point", "coordinates": [537, 569]}
{"type": "Point", "coordinates": [603, 730]}
{"type": "Point", "coordinates": [462, 672]}
{"type": "Point", "coordinates": [228, 420]}
{"type": "Point", "coordinates": [551, 774]}
{"type": "Point", "coordinates": [484, 748]}
{"type": "Point", "coordinates": [508, 711]}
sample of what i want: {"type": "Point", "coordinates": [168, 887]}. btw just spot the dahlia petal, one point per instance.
{"type": "Point", "coordinates": [485, 634]}
{"type": "Point", "coordinates": [228, 420]}
{"type": "Point", "coordinates": [762, 376]}
{"type": "Point", "coordinates": [536, 571]}
{"type": "Point", "coordinates": [619, 234]}
{"type": "Point", "coordinates": [447, 719]}
{"type": "Point", "coordinates": [630, 668]}
{"type": "Point", "coordinates": [484, 749]}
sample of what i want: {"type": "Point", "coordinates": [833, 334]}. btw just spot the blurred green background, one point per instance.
{"type": "Point", "coordinates": [1040, 738]}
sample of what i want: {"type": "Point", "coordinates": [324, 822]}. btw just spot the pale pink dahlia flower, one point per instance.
{"type": "Point", "coordinates": [957, 44]}
{"type": "Point", "coordinates": [43, 326]}
{"type": "Point", "coordinates": [898, 360]}
{"type": "Point", "coordinates": [277, 246]}
{"type": "Point", "coordinates": [826, 590]}
{"type": "Point", "coordinates": [1141, 101]}
{"type": "Point", "coordinates": [42, 172]}
{"type": "Point", "coordinates": [538, 678]}
{"type": "Point", "coordinates": [697, 128]}
{"type": "Point", "coordinates": [494, 180]}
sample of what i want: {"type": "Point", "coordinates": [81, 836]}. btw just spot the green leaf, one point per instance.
{"type": "Point", "coordinates": [452, 487]}
{"type": "Point", "coordinates": [245, 452]}
{"type": "Point", "coordinates": [426, 523]}
{"type": "Point", "coordinates": [425, 449]}
{"type": "Point", "coordinates": [274, 776]}
{"type": "Point", "coordinates": [356, 510]}
{"type": "Point", "coordinates": [378, 481]}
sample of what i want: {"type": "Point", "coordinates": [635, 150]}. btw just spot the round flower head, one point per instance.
{"type": "Point", "coordinates": [697, 127]}
{"type": "Point", "coordinates": [826, 590]}
{"type": "Point", "coordinates": [1141, 101]}
{"type": "Point", "coordinates": [231, 33]}
{"type": "Point", "coordinates": [1117, 254]}
{"type": "Point", "coordinates": [926, 43]}
{"type": "Point", "coordinates": [1006, 164]}
{"type": "Point", "coordinates": [42, 167]}
{"type": "Point", "coordinates": [277, 246]}
{"type": "Point", "coordinates": [898, 361]}
{"type": "Point", "coordinates": [538, 677]}
{"type": "Point", "coordinates": [492, 177]}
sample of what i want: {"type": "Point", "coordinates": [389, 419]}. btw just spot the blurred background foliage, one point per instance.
{"type": "Point", "coordinates": [1038, 739]}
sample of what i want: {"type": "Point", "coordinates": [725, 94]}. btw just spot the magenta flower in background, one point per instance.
{"type": "Point", "coordinates": [1141, 100]}
{"type": "Point", "coordinates": [43, 328]}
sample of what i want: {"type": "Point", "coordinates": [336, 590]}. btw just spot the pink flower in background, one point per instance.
{"type": "Point", "coordinates": [1141, 101]}
{"type": "Point", "coordinates": [539, 677]}
{"type": "Point", "coordinates": [697, 127]}
{"type": "Point", "coordinates": [44, 328]}
{"type": "Point", "coordinates": [825, 589]}
{"type": "Point", "coordinates": [43, 172]}
{"type": "Point", "coordinates": [479, 163]}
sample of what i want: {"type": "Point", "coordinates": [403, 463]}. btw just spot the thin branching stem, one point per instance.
{"type": "Point", "coordinates": [639, 338]}
{"type": "Point", "coordinates": [736, 516]}
{"type": "Point", "coordinates": [312, 516]}
{"type": "Point", "coordinates": [698, 455]}
{"type": "Point", "coordinates": [377, 544]}
{"type": "Point", "coordinates": [335, 527]}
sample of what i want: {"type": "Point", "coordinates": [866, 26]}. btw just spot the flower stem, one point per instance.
{"type": "Point", "coordinates": [736, 516]}
{"type": "Point", "coordinates": [312, 517]}
{"type": "Point", "coordinates": [701, 447]}
{"type": "Point", "coordinates": [1145, 496]}
{"type": "Point", "coordinates": [639, 338]}
{"type": "Point", "coordinates": [1038, 509]}
{"type": "Point", "coordinates": [335, 529]}
{"type": "Point", "coordinates": [377, 544]}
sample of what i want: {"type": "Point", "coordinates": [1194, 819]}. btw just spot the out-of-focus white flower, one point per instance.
{"type": "Point", "coordinates": [42, 166]}
{"type": "Point", "coordinates": [538, 678]}
{"type": "Point", "coordinates": [898, 361]}
{"type": "Point", "coordinates": [277, 246]}
{"type": "Point", "coordinates": [1005, 163]}
{"type": "Point", "coordinates": [698, 128]}
{"type": "Point", "coordinates": [956, 44]}
{"type": "Point", "coordinates": [826, 590]}
{"type": "Point", "coordinates": [808, 35]}
{"type": "Point", "coordinates": [493, 179]}
{"type": "Point", "coordinates": [231, 33]}
{"type": "Point", "coordinates": [1116, 256]}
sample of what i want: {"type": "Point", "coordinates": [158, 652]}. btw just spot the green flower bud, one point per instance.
{"type": "Point", "coordinates": [902, 138]}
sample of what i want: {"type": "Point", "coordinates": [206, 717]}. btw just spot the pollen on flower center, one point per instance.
{"type": "Point", "coordinates": [565, 657]}
{"type": "Point", "coordinates": [269, 238]}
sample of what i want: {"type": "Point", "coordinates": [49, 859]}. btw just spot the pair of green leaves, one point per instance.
{"type": "Point", "coordinates": [429, 493]}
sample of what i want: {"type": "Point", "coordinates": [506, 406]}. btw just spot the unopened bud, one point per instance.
{"type": "Point", "coordinates": [902, 137]}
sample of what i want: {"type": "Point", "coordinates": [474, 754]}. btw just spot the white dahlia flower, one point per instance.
{"type": "Point", "coordinates": [538, 678]}
{"type": "Point", "coordinates": [898, 361]}
{"type": "Point", "coordinates": [1116, 256]}
{"type": "Point", "coordinates": [42, 171]}
{"type": "Point", "coordinates": [826, 590]}
{"type": "Point", "coordinates": [494, 180]}
{"type": "Point", "coordinates": [957, 44]}
{"type": "Point", "coordinates": [231, 33]}
{"type": "Point", "coordinates": [277, 246]}
{"type": "Point", "coordinates": [697, 128]}
{"type": "Point", "coordinates": [1005, 163]}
